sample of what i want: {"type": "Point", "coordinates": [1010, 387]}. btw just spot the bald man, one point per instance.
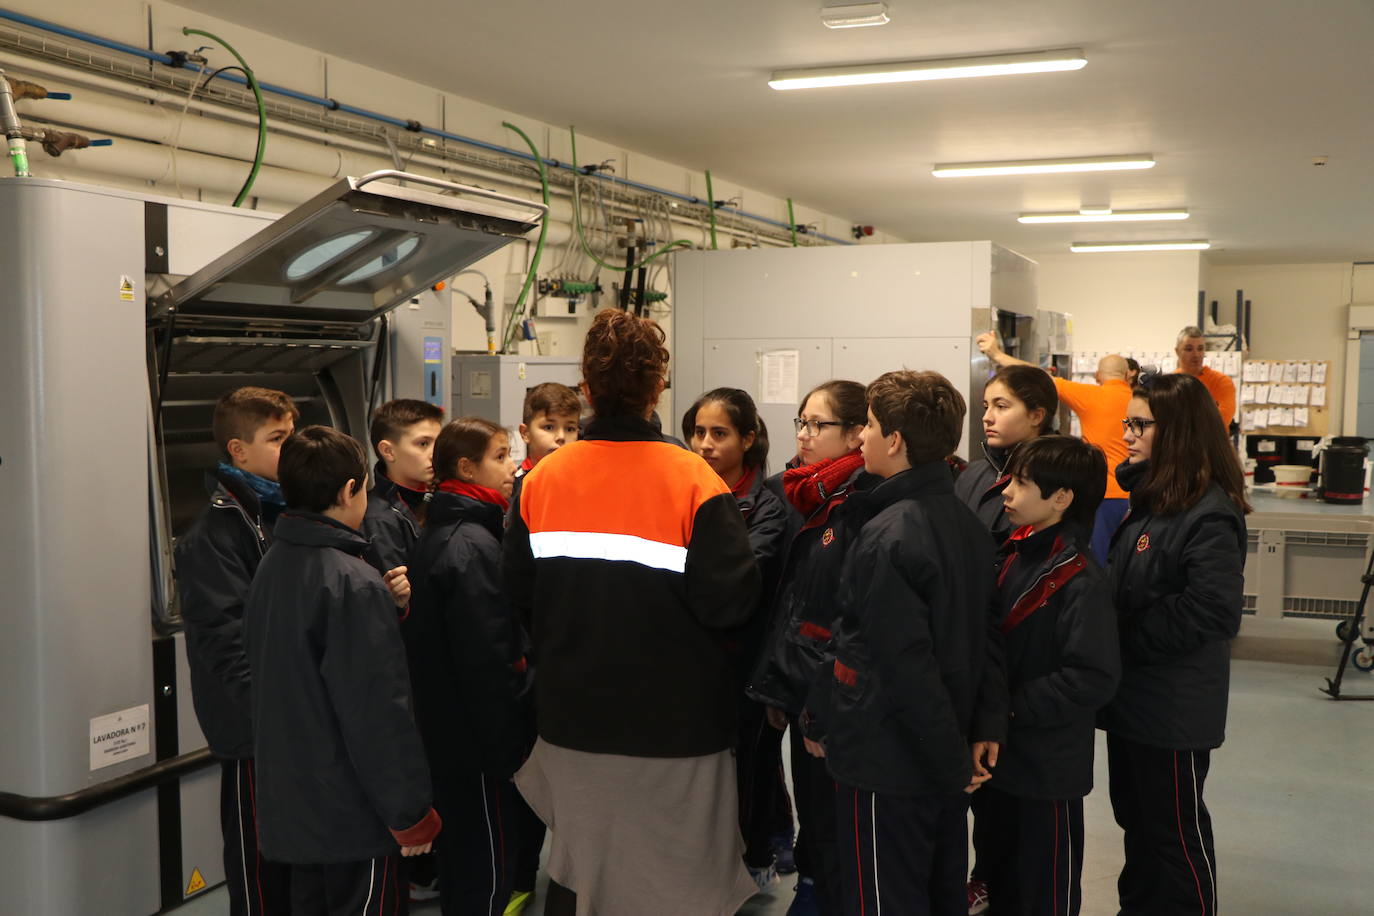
{"type": "Point", "coordinates": [1191, 350]}
{"type": "Point", "coordinates": [1100, 409]}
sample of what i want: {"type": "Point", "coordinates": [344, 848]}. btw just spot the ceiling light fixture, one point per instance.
{"type": "Point", "coordinates": [854, 15]}
{"type": "Point", "coordinates": [1044, 166]}
{"type": "Point", "coordinates": [1103, 216]}
{"type": "Point", "coordinates": [1093, 247]}
{"type": "Point", "coordinates": [916, 70]}
{"type": "Point", "coordinates": [1094, 211]}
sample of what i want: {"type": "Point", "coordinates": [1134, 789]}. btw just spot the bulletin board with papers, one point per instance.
{"type": "Point", "coordinates": [1287, 397]}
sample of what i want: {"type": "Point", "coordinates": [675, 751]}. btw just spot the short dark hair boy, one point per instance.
{"type": "Point", "coordinates": [342, 778]}
{"type": "Point", "coordinates": [216, 559]}
{"type": "Point", "coordinates": [549, 421]}
{"type": "Point", "coordinates": [1055, 610]}
{"type": "Point", "coordinates": [403, 433]}
{"type": "Point", "coordinates": [913, 683]}
{"type": "Point", "coordinates": [1066, 463]}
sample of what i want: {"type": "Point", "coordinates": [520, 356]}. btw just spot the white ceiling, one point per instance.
{"type": "Point", "coordinates": [1233, 97]}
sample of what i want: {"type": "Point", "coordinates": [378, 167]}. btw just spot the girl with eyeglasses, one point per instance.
{"type": "Point", "coordinates": [1019, 404]}
{"type": "Point", "coordinates": [827, 469]}
{"type": "Point", "coordinates": [1176, 566]}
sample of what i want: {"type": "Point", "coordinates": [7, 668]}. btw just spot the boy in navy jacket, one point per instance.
{"type": "Point", "coordinates": [215, 562]}
{"type": "Point", "coordinates": [913, 699]}
{"type": "Point", "coordinates": [1055, 612]}
{"type": "Point", "coordinates": [402, 433]}
{"type": "Point", "coordinates": [343, 787]}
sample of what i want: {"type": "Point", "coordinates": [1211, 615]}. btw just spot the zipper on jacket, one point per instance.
{"type": "Point", "coordinates": [1041, 578]}
{"type": "Point", "coordinates": [221, 502]}
{"type": "Point", "coordinates": [415, 532]}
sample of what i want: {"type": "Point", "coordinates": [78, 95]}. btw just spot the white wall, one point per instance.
{"type": "Point", "coordinates": [1298, 311]}
{"type": "Point", "coordinates": [1122, 301]}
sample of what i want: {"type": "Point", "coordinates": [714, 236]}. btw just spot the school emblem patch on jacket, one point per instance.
{"type": "Point", "coordinates": [1143, 544]}
{"type": "Point", "coordinates": [828, 538]}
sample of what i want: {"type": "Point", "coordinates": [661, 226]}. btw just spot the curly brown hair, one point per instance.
{"type": "Point", "coordinates": [623, 363]}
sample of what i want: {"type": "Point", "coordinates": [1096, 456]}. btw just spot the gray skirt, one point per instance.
{"type": "Point", "coordinates": [637, 835]}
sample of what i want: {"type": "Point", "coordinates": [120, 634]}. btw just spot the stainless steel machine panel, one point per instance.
{"type": "Point", "coordinates": [74, 564]}
{"type": "Point", "coordinates": [353, 252]}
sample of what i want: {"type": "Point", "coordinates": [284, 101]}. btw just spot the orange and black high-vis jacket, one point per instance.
{"type": "Point", "coordinates": [627, 558]}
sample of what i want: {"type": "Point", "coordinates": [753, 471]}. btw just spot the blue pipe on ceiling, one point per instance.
{"type": "Point", "coordinates": [414, 126]}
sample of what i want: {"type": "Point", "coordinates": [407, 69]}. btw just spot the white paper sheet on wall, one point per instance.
{"type": "Point", "coordinates": [1290, 372]}
{"type": "Point", "coordinates": [1276, 373]}
{"type": "Point", "coordinates": [779, 372]}
{"type": "Point", "coordinates": [1232, 362]}
{"type": "Point", "coordinates": [1318, 397]}
{"type": "Point", "coordinates": [1261, 418]}
{"type": "Point", "coordinates": [1300, 416]}
{"type": "Point", "coordinates": [1319, 374]}
{"type": "Point", "coordinates": [1305, 372]}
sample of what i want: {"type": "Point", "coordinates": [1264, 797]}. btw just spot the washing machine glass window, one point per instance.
{"type": "Point", "coordinates": [317, 256]}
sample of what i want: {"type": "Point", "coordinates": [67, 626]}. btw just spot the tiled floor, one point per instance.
{"type": "Point", "coordinates": [1291, 794]}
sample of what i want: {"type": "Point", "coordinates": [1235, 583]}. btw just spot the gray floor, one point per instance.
{"type": "Point", "coordinates": [1291, 793]}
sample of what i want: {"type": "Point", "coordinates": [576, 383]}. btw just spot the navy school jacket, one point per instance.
{"type": "Point", "coordinates": [341, 773]}
{"type": "Point", "coordinates": [389, 524]}
{"type": "Point", "coordinates": [1055, 612]}
{"type": "Point", "coordinates": [466, 648]}
{"type": "Point", "coordinates": [215, 562]}
{"type": "Point", "coordinates": [804, 609]}
{"type": "Point", "coordinates": [917, 671]}
{"type": "Point", "coordinates": [1178, 584]}
{"type": "Point", "coordinates": [980, 486]}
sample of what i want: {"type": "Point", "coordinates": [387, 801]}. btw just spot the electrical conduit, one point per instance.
{"type": "Point", "coordinates": [519, 308]}
{"type": "Point", "coordinates": [334, 105]}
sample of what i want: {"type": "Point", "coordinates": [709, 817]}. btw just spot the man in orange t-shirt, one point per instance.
{"type": "Point", "coordinates": [1191, 350]}
{"type": "Point", "coordinates": [1100, 409]}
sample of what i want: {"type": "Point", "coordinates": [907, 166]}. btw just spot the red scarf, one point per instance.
{"type": "Point", "coordinates": [476, 491]}
{"type": "Point", "coordinates": [811, 486]}
{"type": "Point", "coordinates": [745, 484]}
{"type": "Point", "coordinates": [526, 466]}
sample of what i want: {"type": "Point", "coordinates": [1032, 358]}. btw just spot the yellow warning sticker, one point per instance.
{"type": "Point", "coordinates": [197, 882]}
{"type": "Point", "coordinates": [126, 288]}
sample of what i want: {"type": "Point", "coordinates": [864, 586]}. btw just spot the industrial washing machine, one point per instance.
{"type": "Point", "coordinates": [126, 316]}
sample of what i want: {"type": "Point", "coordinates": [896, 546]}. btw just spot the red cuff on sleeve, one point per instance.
{"type": "Point", "coordinates": [422, 833]}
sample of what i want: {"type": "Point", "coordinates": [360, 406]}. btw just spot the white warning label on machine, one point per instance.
{"type": "Point", "coordinates": [126, 288]}
{"type": "Point", "coordinates": [119, 736]}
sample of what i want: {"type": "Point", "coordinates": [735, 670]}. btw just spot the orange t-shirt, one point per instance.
{"type": "Point", "coordinates": [1223, 391]}
{"type": "Point", "coordinates": [1100, 409]}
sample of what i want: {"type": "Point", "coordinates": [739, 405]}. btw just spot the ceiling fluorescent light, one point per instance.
{"type": "Point", "coordinates": [1044, 166]}
{"type": "Point", "coordinates": [1088, 247]}
{"type": "Point", "coordinates": [916, 70]}
{"type": "Point", "coordinates": [1104, 216]}
{"type": "Point", "coordinates": [854, 15]}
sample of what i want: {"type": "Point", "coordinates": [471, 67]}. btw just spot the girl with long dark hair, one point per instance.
{"type": "Point", "coordinates": [1177, 565]}
{"type": "Point", "coordinates": [468, 666]}
{"type": "Point", "coordinates": [725, 429]}
{"type": "Point", "coordinates": [1019, 404]}
{"type": "Point", "coordinates": [827, 470]}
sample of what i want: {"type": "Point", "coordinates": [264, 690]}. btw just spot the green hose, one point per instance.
{"type": "Point", "coordinates": [582, 239]}
{"type": "Point", "coordinates": [538, 247]}
{"type": "Point", "coordinates": [792, 222]}
{"type": "Point", "coordinates": [262, 111]}
{"type": "Point", "coordinates": [711, 203]}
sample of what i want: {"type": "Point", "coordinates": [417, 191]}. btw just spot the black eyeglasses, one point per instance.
{"type": "Point", "coordinates": [813, 427]}
{"type": "Point", "coordinates": [1137, 425]}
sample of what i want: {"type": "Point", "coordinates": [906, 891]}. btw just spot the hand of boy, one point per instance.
{"type": "Point", "coordinates": [987, 342]}
{"type": "Point", "coordinates": [415, 850]}
{"type": "Point", "coordinates": [983, 750]}
{"type": "Point", "coordinates": [776, 717]}
{"type": "Point", "coordinates": [814, 748]}
{"type": "Point", "coordinates": [400, 586]}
